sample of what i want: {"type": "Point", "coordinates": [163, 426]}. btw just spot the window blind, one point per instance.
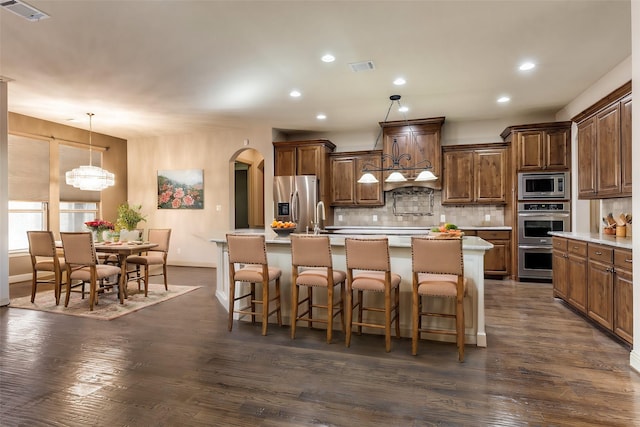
{"type": "Point", "coordinates": [28, 169]}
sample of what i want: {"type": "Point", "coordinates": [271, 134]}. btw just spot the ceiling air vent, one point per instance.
{"type": "Point", "coordinates": [28, 12]}
{"type": "Point", "coordinates": [362, 66]}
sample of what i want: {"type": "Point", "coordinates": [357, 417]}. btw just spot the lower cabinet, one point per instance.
{"type": "Point", "coordinates": [497, 260]}
{"type": "Point", "coordinates": [597, 281]}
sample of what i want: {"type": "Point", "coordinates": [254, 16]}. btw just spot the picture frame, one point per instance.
{"type": "Point", "coordinates": [181, 189]}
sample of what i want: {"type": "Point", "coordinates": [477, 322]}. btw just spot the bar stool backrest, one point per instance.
{"type": "Point", "coordinates": [367, 254]}
{"type": "Point", "coordinates": [247, 249]}
{"type": "Point", "coordinates": [438, 256]}
{"type": "Point", "coordinates": [310, 251]}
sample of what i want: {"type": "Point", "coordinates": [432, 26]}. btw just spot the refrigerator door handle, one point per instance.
{"type": "Point", "coordinates": [295, 206]}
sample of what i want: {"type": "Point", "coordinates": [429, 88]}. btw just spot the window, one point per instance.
{"type": "Point", "coordinates": [73, 215]}
{"type": "Point", "coordinates": [23, 217]}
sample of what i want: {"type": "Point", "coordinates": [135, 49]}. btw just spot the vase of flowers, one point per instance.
{"type": "Point", "coordinates": [129, 216]}
{"type": "Point", "coordinates": [97, 227]}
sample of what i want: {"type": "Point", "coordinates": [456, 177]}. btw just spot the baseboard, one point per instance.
{"type": "Point", "coordinates": [191, 264]}
{"type": "Point", "coordinates": [20, 278]}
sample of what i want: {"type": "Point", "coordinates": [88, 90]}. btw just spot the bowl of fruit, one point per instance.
{"type": "Point", "coordinates": [283, 228]}
{"type": "Point", "coordinates": [446, 230]}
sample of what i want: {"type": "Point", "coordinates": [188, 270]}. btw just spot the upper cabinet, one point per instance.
{"type": "Point", "coordinates": [604, 147]}
{"type": "Point", "coordinates": [541, 147]}
{"type": "Point", "coordinates": [475, 174]}
{"type": "Point", "coordinates": [305, 158]}
{"type": "Point", "coordinates": [417, 144]}
{"type": "Point", "coordinates": [346, 169]}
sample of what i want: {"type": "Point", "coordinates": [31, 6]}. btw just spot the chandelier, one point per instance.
{"type": "Point", "coordinates": [90, 178]}
{"type": "Point", "coordinates": [395, 159]}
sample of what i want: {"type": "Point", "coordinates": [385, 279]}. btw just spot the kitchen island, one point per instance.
{"type": "Point", "coordinates": [474, 248]}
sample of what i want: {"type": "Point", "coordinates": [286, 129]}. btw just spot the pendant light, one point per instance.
{"type": "Point", "coordinates": [90, 178]}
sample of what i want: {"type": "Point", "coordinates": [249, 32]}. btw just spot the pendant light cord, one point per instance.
{"type": "Point", "coordinates": [90, 145]}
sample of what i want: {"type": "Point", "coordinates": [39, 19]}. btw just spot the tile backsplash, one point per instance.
{"type": "Point", "coordinates": [411, 211]}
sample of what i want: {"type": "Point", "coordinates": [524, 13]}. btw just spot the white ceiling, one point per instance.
{"type": "Point", "coordinates": [147, 68]}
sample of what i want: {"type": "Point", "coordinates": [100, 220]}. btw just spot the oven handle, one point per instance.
{"type": "Point", "coordinates": [549, 247]}
{"type": "Point", "coordinates": [545, 215]}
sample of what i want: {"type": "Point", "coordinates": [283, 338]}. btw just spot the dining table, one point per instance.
{"type": "Point", "coordinates": [122, 250]}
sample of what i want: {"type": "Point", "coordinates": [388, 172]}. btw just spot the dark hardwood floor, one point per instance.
{"type": "Point", "coordinates": [175, 364]}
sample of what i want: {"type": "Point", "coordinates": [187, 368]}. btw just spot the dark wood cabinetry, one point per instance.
{"type": "Point", "coordinates": [596, 280]}
{"type": "Point", "coordinates": [541, 147]}
{"type": "Point", "coordinates": [604, 147]}
{"type": "Point", "coordinates": [474, 174]}
{"type": "Point", "coordinates": [497, 260]}
{"type": "Point", "coordinates": [306, 158]}
{"type": "Point", "coordinates": [346, 169]}
{"type": "Point", "coordinates": [420, 139]}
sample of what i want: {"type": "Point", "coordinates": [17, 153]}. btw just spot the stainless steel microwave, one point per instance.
{"type": "Point", "coordinates": [544, 185]}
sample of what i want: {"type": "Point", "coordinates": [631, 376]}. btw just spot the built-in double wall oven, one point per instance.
{"type": "Point", "coordinates": [535, 221]}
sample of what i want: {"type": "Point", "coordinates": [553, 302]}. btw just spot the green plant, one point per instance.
{"type": "Point", "coordinates": [129, 216]}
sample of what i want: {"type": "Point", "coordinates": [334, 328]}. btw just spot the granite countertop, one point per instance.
{"type": "Point", "coordinates": [606, 239]}
{"type": "Point", "coordinates": [391, 230]}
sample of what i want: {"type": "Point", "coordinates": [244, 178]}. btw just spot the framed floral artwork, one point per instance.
{"type": "Point", "coordinates": [181, 189]}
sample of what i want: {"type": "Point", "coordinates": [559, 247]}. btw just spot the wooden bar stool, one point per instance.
{"type": "Point", "coordinates": [250, 251]}
{"type": "Point", "coordinates": [370, 259]}
{"type": "Point", "coordinates": [438, 272]}
{"type": "Point", "coordinates": [312, 267]}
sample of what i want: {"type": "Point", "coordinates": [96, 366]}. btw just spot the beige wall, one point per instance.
{"type": "Point", "coordinates": [215, 153]}
{"type": "Point", "coordinates": [114, 160]}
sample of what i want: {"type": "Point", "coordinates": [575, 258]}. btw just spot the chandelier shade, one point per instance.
{"type": "Point", "coordinates": [90, 178]}
{"type": "Point", "coordinates": [395, 160]}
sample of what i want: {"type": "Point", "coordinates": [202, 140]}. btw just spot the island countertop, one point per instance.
{"type": "Point", "coordinates": [279, 255]}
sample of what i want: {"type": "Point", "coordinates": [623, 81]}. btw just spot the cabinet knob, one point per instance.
{"type": "Point", "coordinates": [628, 260]}
{"type": "Point", "coordinates": [598, 253]}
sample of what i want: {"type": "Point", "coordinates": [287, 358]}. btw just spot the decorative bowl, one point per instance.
{"type": "Point", "coordinates": [283, 232]}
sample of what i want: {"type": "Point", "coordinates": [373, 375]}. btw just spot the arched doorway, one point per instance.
{"type": "Point", "coordinates": [248, 188]}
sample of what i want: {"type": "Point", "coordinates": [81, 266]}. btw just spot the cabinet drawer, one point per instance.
{"type": "Point", "coordinates": [560, 244]}
{"type": "Point", "coordinates": [623, 259]}
{"type": "Point", "coordinates": [470, 232]}
{"type": "Point", "coordinates": [577, 248]}
{"type": "Point", "coordinates": [601, 253]}
{"type": "Point", "coordinates": [494, 234]}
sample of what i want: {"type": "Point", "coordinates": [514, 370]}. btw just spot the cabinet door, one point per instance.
{"type": "Point", "coordinates": [285, 161]}
{"type": "Point", "coordinates": [458, 177]}
{"type": "Point", "coordinates": [402, 147]}
{"type": "Point", "coordinates": [625, 144]}
{"type": "Point", "coordinates": [427, 150]}
{"type": "Point", "coordinates": [577, 282]}
{"type": "Point", "coordinates": [368, 194]}
{"type": "Point", "coordinates": [343, 188]}
{"type": "Point", "coordinates": [557, 155]}
{"type": "Point", "coordinates": [309, 160]}
{"type": "Point", "coordinates": [587, 159]}
{"type": "Point", "coordinates": [608, 151]}
{"type": "Point", "coordinates": [496, 259]}
{"type": "Point", "coordinates": [600, 293]}
{"type": "Point", "coordinates": [490, 176]}
{"type": "Point", "coordinates": [623, 305]}
{"type": "Point", "coordinates": [530, 150]}
{"type": "Point", "coordinates": [560, 268]}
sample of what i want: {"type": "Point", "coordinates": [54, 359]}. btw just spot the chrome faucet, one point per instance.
{"type": "Point", "coordinates": [320, 215]}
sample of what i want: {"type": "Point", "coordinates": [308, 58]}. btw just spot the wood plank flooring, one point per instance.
{"type": "Point", "coordinates": [175, 364]}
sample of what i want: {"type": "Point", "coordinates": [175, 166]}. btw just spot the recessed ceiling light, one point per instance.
{"type": "Point", "coordinates": [295, 93]}
{"type": "Point", "coordinates": [321, 116]}
{"type": "Point", "coordinates": [526, 66]}
{"type": "Point", "coordinates": [328, 58]}
{"type": "Point", "coordinates": [503, 99]}
{"type": "Point", "coordinates": [403, 109]}
{"type": "Point", "coordinates": [399, 81]}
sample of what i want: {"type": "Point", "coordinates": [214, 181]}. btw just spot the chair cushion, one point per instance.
{"type": "Point", "coordinates": [47, 265]}
{"type": "Point", "coordinates": [439, 285]}
{"type": "Point", "coordinates": [102, 271]}
{"type": "Point", "coordinates": [318, 277]}
{"type": "Point", "coordinates": [373, 281]}
{"type": "Point", "coordinates": [151, 259]}
{"type": "Point", "coordinates": [253, 274]}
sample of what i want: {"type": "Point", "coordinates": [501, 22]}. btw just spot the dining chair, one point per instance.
{"type": "Point", "coordinates": [438, 272]}
{"type": "Point", "coordinates": [154, 256]}
{"type": "Point", "coordinates": [312, 267]}
{"type": "Point", "coordinates": [82, 261]}
{"type": "Point", "coordinates": [249, 251]}
{"type": "Point", "coordinates": [44, 258]}
{"type": "Point", "coordinates": [369, 269]}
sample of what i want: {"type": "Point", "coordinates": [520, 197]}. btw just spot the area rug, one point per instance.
{"type": "Point", "coordinates": [108, 307]}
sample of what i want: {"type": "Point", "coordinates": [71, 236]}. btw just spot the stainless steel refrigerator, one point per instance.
{"type": "Point", "coordinates": [295, 199]}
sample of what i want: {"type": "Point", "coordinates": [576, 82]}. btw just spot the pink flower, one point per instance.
{"type": "Point", "coordinates": [176, 203]}
{"type": "Point", "coordinates": [187, 200]}
{"type": "Point", "coordinates": [164, 197]}
{"type": "Point", "coordinates": [179, 193]}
